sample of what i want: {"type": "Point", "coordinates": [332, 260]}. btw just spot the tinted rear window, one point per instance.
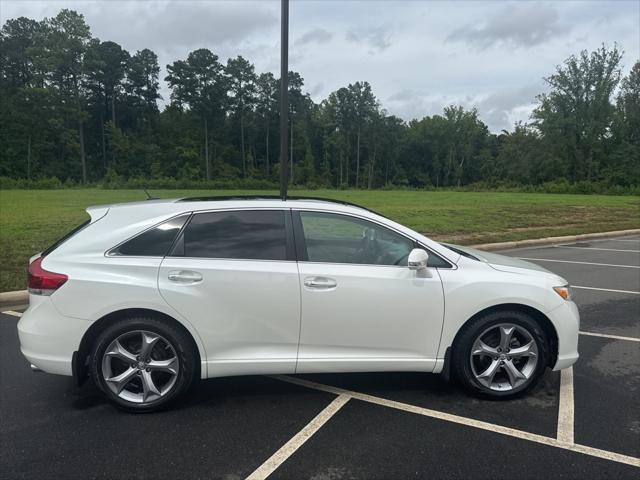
{"type": "Point", "coordinates": [244, 234]}
{"type": "Point", "coordinates": [154, 242]}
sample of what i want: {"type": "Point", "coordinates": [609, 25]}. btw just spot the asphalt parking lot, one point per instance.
{"type": "Point", "coordinates": [582, 423]}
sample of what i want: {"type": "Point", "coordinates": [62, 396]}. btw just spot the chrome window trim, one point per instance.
{"type": "Point", "coordinates": [109, 253]}
{"type": "Point", "coordinates": [222, 259]}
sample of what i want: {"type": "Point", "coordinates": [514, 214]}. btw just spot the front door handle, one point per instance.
{"type": "Point", "coordinates": [185, 276]}
{"type": "Point", "coordinates": [320, 283]}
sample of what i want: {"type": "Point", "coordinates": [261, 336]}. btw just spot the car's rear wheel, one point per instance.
{"type": "Point", "coordinates": [143, 364]}
{"type": "Point", "coordinates": [501, 354]}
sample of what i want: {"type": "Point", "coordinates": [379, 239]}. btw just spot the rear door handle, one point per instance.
{"type": "Point", "coordinates": [320, 283]}
{"type": "Point", "coordinates": [185, 276]}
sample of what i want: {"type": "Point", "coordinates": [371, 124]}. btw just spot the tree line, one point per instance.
{"type": "Point", "coordinates": [84, 110]}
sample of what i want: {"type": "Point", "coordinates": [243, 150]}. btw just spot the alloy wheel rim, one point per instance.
{"type": "Point", "coordinates": [504, 357]}
{"type": "Point", "coordinates": [140, 366]}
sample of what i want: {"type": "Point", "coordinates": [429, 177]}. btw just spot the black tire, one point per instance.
{"type": "Point", "coordinates": [179, 342]}
{"type": "Point", "coordinates": [461, 362]}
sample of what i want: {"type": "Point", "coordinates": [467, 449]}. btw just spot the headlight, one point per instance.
{"type": "Point", "coordinates": [564, 291]}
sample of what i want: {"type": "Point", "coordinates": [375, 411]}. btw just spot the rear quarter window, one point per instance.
{"type": "Point", "coordinates": [154, 242]}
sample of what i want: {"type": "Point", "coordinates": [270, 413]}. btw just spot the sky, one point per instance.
{"type": "Point", "coordinates": [419, 56]}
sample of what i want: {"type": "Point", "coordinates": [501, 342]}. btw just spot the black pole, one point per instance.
{"type": "Point", "coordinates": [284, 97]}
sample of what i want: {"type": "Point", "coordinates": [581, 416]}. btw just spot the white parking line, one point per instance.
{"type": "Point", "coordinates": [11, 312]}
{"type": "Point", "coordinates": [565, 409]}
{"type": "Point", "coordinates": [596, 248]}
{"type": "Point", "coordinates": [289, 448]}
{"type": "Point", "coordinates": [632, 292]}
{"type": "Point", "coordinates": [470, 422]}
{"type": "Point", "coordinates": [579, 263]}
{"type": "Point", "coordinates": [606, 335]}
{"type": "Point", "coordinates": [637, 240]}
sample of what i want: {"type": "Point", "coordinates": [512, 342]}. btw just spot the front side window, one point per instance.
{"type": "Point", "coordinates": [242, 235]}
{"type": "Point", "coordinates": [334, 238]}
{"type": "Point", "coordinates": [154, 242]}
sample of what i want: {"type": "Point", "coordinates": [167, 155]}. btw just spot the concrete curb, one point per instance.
{"type": "Point", "coordinates": [21, 297]}
{"type": "Point", "coordinates": [548, 240]}
{"type": "Point", "coordinates": [12, 299]}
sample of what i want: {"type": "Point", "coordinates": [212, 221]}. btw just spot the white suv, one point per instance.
{"type": "Point", "coordinates": [147, 297]}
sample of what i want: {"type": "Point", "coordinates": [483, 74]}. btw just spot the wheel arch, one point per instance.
{"type": "Point", "coordinates": [544, 322]}
{"type": "Point", "coordinates": [81, 357]}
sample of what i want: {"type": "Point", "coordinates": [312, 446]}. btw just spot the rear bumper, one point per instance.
{"type": "Point", "coordinates": [566, 320]}
{"type": "Point", "coordinates": [49, 339]}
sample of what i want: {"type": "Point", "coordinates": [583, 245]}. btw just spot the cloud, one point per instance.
{"type": "Point", "coordinates": [377, 39]}
{"type": "Point", "coordinates": [499, 110]}
{"type": "Point", "coordinates": [411, 104]}
{"type": "Point", "coordinates": [518, 26]}
{"type": "Point", "coordinates": [404, 95]}
{"type": "Point", "coordinates": [172, 25]}
{"type": "Point", "coordinates": [316, 35]}
{"type": "Point", "coordinates": [316, 89]}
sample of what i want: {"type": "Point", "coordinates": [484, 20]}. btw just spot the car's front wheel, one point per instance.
{"type": "Point", "coordinates": [501, 354]}
{"type": "Point", "coordinates": [143, 364]}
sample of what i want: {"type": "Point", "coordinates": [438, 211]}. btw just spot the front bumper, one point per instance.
{"type": "Point", "coordinates": [566, 321]}
{"type": "Point", "coordinates": [48, 338]}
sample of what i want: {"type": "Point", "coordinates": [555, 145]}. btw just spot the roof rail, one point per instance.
{"type": "Point", "coordinates": [221, 198]}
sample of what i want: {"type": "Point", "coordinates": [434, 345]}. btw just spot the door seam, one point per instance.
{"type": "Point", "coordinates": [297, 254]}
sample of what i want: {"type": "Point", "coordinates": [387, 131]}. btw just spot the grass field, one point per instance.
{"type": "Point", "coordinates": [30, 220]}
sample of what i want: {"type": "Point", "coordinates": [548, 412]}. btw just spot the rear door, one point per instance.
{"type": "Point", "coordinates": [233, 275]}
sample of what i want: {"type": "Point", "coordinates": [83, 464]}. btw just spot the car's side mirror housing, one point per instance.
{"type": "Point", "coordinates": [418, 259]}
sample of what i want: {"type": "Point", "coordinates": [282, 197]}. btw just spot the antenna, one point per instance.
{"type": "Point", "coordinates": [149, 197]}
{"type": "Point", "coordinates": [284, 97]}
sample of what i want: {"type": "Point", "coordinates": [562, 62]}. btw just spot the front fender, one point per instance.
{"type": "Point", "coordinates": [474, 288]}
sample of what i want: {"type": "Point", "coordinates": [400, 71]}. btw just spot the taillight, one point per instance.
{"type": "Point", "coordinates": [42, 282]}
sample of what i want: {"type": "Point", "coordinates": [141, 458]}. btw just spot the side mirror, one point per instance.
{"type": "Point", "coordinates": [418, 259]}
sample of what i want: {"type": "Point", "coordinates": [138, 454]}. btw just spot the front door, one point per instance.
{"type": "Point", "coordinates": [233, 275]}
{"type": "Point", "coordinates": [362, 308]}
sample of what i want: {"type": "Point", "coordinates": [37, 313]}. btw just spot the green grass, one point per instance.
{"type": "Point", "coordinates": [30, 220]}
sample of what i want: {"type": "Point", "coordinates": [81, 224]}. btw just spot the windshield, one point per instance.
{"type": "Point", "coordinates": [461, 252]}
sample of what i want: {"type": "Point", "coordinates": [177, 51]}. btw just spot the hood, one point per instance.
{"type": "Point", "coordinates": [503, 263]}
